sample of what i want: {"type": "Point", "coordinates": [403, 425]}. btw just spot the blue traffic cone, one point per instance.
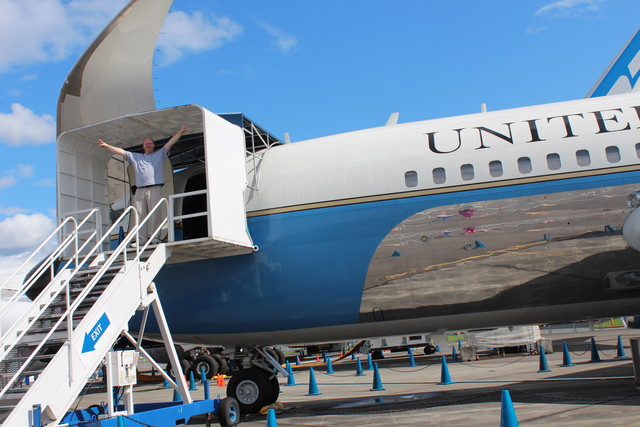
{"type": "Point", "coordinates": [566, 357]}
{"type": "Point", "coordinates": [176, 396]}
{"type": "Point", "coordinates": [369, 362]}
{"type": "Point", "coordinates": [166, 381]}
{"type": "Point", "coordinates": [290, 379]}
{"type": "Point", "coordinates": [329, 365]}
{"type": "Point", "coordinates": [437, 349]}
{"type": "Point", "coordinates": [313, 386]}
{"type": "Point", "coordinates": [445, 378]}
{"type": "Point", "coordinates": [377, 383]}
{"type": "Point", "coordinates": [192, 381]}
{"type": "Point", "coordinates": [297, 360]}
{"type": "Point", "coordinates": [359, 371]}
{"type": "Point", "coordinates": [396, 253]}
{"type": "Point", "coordinates": [621, 354]}
{"type": "Point", "coordinates": [507, 413]}
{"type": "Point", "coordinates": [454, 356]}
{"type": "Point", "coordinates": [479, 245]}
{"type": "Point", "coordinates": [595, 356]}
{"type": "Point", "coordinates": [412, 361]}
{"type": "Point", "coordinates": [203, 376]}
{"type": "Point", "coordinates": [207, 392]}
{"type": "Point", "coordinates": [544, 366]}
{"type": "Point", "coordinates": [271, 418]}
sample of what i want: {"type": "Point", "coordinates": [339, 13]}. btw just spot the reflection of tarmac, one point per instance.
{"type": "Point", "coordinates": [542, 273]}
{"type": "Point", "coordinates": [503, 254]}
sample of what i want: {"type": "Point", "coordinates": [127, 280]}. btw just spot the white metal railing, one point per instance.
{"type": "Point", "coordinates": [173, 218]}
{"type": "Point", "coordinates": [48, 262]}
{"type": "Point", "coordinates": [72, 307]}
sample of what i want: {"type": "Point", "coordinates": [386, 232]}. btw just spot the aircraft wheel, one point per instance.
{"type": "Point", "coordinates": [229, 412]}
{"type": "Point", "coordinates": [251, 388]}
{"type": "Point", "coordinates": [184, 364]}
{"type": "Point", "coordinates": [223, 365]}
{"type": "Point", "coordinates": [429, 349]}
{"type": "Point", "coordinates": [281, 357]}
{"type": "Point", "coordinates": [275, 390]}
{"type": "Point", "coordinates": [206, 362]}
{"type": "Point", "coordinates": [273, 353]}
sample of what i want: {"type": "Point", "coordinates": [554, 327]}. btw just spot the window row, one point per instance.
{"type": "Point", "coordinates": [467, 173]}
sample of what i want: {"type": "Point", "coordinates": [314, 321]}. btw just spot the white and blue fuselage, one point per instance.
{"type": "Point", "coordinates": [406, 227]}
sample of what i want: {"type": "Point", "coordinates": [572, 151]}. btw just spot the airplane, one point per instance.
{"type": "Point", "coordinates": [512, 217]}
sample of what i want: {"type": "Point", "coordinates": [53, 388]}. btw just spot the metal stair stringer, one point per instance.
{"type": "Point", "coordinates": [67, 373]}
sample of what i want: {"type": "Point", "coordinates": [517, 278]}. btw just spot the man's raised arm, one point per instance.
{"type": "Point", "coordinates": [175, 138]}
{"type": "Point", "coordinates": [114, 150]}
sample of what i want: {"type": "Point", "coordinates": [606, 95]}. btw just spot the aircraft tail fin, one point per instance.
{"type": "Point", "coordinates": [623, 75]}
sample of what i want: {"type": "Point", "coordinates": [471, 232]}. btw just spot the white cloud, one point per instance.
{"type": "Point", "coordinates": [21, 233]}
{"type": "Point", "coordinates": [7, 181]}
{"type": "Point", "coordinates": [568, 8]}
{"type": "Point", "coordinates": [24, 171]}
{"type": "Point", "coordinates": [9, 265]}
{"type": "Point", "coordinates": [39, 31]}
{"type": "Point", "coordinates": [11, 210]}
{"type": "Point", "coordinates": [23, 127]}
{"type": "Point", "coordinates": [52, 30]}
{"type": "Point", "coordinates": [46, 182]}
{"type": "Point", "coordinates": [184, 33]}
{"type": "Point", "coordinates": [284, 41]}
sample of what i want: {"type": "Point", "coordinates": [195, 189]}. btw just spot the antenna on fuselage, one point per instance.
{"type": "Point", "coordinates": [393, 119]}
{"type": "Point", "coordinates": [483, 107]}
{"type": "Point", "coordinates": [286, 138]}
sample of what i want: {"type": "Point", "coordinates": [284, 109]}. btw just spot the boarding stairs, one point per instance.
{"type": "Point", "coordinates": [62, 336]}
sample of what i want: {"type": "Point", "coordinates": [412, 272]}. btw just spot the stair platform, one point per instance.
{"type": "Point", "coordinates": [204, 248]}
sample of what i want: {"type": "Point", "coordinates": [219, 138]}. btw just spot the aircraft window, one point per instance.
{"type": "Point", "coordinates": [411, 178]}
{"type": "Point", "coordinates": [439, 176]}
{"type": "Point", "coordinates": [495, 168]}
{"type": "Point", "coordinates": [583, 158]}
{"type": "Point", "coordinates": [524, 165]}
{"type": "Point", "coordinates": [638, 150]}
{"type": "Point", "coordinates": [553, 161]}
{"type": "Point", "coordinates": [466, 171]}
{"type": "Point", "coordinates": [613, 154]}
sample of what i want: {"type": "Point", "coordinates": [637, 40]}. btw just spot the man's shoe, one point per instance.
{"type": "Point", "coordinates": [155, 242]}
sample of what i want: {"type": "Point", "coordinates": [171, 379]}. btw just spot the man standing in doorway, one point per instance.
{"type": "Point", "coordinates": [149, 179]}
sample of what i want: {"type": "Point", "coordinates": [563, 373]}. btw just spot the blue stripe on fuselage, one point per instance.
{"type": "Point", "coordinates": [311, 266]}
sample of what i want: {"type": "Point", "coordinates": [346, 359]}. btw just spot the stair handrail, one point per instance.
{"type": "Point", "coordinates": [49, 260]}
{"type": "Point", "coordinates": [73, 237]}
{"type": "Point", "coordinates": [71, 308]}
{"type": "Point", "coordinates": [64, 316]}
{"type": "Point", "coordinates": [134, 232]}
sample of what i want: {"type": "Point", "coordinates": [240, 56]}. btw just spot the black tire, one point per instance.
{"type": "Point", "coordinates": [184, 364]}
{"type": "Point", "coordinates": [210, 365]}
{"type": "Point", "coordinates": [377, 355]}
{"type": "Point", "coordinates": [229, 412]}
{"type": "Point", "coordinates": [251, 388]}
{"type": "Point", "coordinates": [275, 390]}
{"type": "Point", "coordinates": [281, 357]}
{"type": "Point", "coordinates": [272, 352]}
{"type": "Point", "coordinates": [429, 349]}
{"type": "Point", "coordinates": [222, 363]}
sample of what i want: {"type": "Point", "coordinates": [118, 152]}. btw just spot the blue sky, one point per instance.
{"type": "Point", "coordinates": [310, 68]}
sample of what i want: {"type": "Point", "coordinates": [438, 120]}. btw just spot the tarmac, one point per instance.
{"type": "Point", "coordinates": [589, 393]}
